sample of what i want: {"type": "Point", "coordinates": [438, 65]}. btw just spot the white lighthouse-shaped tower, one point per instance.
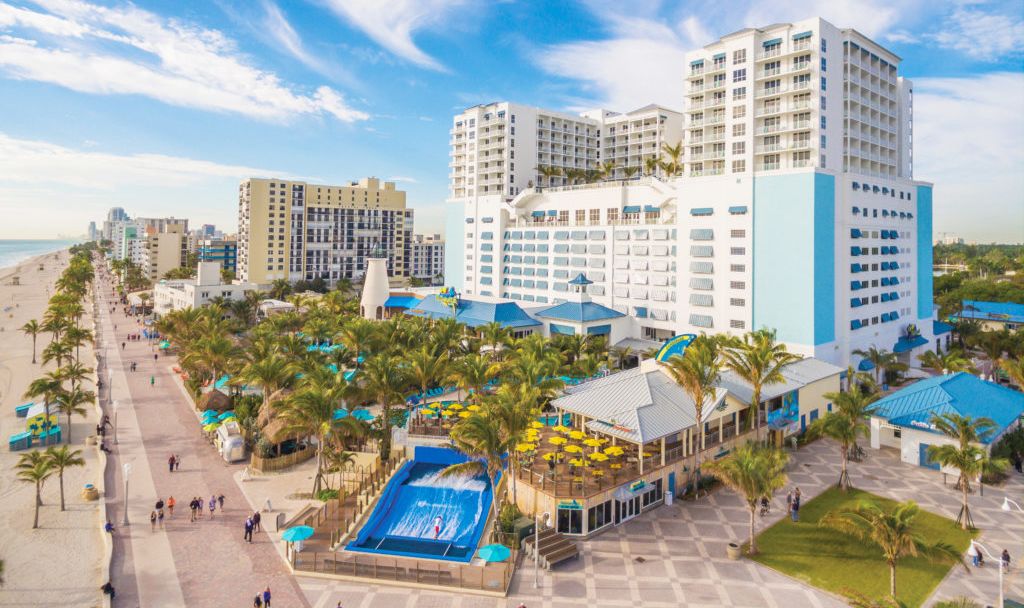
{"type": "Point", "coordinates": [375, 286]}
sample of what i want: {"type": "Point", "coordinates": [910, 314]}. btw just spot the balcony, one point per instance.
{"type": "Point", "coordinates": [767, 167]}
{"type": "Point", "coordinates": [768, 149]}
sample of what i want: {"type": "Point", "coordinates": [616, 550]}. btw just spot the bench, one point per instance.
{"type": "Point", "coordinates": [560, 556]}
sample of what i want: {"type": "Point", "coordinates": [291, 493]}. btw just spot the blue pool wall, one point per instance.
{"type": "Point", "coordinates": [421, 454]}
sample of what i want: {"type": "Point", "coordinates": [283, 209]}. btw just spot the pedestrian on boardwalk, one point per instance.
{"type": "Point", "coordinates": [177, 462]}
{"type": "Point", "coordinates": [266, 597]}
{"type": "Point", "coordinates": [256, 521]}
{"type": "Point", "coordinates": [213, 506]}
{"type": "Point", "coordinates": [789, 500]}
{"type": "Point", "coordinates": [152, 521]}
{"type": "Point", "coordinates": [122, 345]}
{"type": "Point", "coordinates": [199, 507]}
{"type": "Point", "coordinates": [796, 508]}
{"type": "Point", "coordinates": [247, 537]}
{"type": "Point", "coordinates": [220, 501]}
{"type": "Point", "coordinates": [1018, 462]}
{"type": "Point", "coordinates": [257, 601]}
{"type": "Point", "coordinates": [974, 554]}
{"type": "Point", "coordinates": [170, 506]}
{"type": "Point", "coordinates": [108, 528]}
{"type": "Point", "coordinates": [192, 508]}
{"type": "Point", "coordinates": [1004, 559]}
{"type": "Point", "coordinates": [159, 504]}
{"type": "Point", "coordinates": [152, 381]}
{"type": "Point", "coordinates": [160, 518]}
{"type": "Point", "coordinates": [170, 464]}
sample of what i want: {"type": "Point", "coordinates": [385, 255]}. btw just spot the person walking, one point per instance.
{"type": "Point", "coordinates": [789, 501]}
{"type": "Point", "coordinates": [256, 521]}
{"type": "Point", "coordinates": [220, 501]}
{"type": "Point", "coordinates": [108, 528]}
{"type": "Point", "coordinates": [796, 508]}
{"type": "Point", "coordinates": [213, 506]}
{"type": "Point", "coordinates": [257, 601]}
{"type": "Point", "coordinates": [1018, 462]}
{"type": "Point", "coordinates": [1004, 561]}
{"type": "Point", "coordinates": [170, 463]}
{"type": "Point", "coordinates": [192, 508]}
{"type": "Point", "coordinates": [974, 554]}
{"type": "Point", "coordinates": [266, 597]}
{"type": "Point", "coordinates": [177, 462]}
{"type": "Point", "coordinates": [247, 537]}
{"type": "Point", "coordinates": [152, 521]}
{"type": "Point", "coordinates": [170, 507]}
{"type": "Point", "coordinates": [160, 518]}
{"type": "Point", "coordinates": [152, 381]}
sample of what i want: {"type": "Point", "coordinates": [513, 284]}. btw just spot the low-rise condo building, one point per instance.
{"type": "Point", "coordinates": [171, 295]}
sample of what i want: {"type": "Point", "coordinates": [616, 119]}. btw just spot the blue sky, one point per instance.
{"type": "Point", "coordinates": [162, 107]}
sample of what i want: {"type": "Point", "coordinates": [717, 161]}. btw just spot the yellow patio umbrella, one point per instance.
{"type": "Point", "coordinates": [536, 424]}
{"type": "Point", "coordinates": [577, 462]}
{"type": "Point", "coordinates": [557, 440]}
{"type": "Point", "coordinates": [577, 434]}
{"type": "Point", "coordinates": [615, 466]}
{"type": "Point", "coordinates": [598, 456]}
{"type": "Point", "coordinates": [592, 442]}
{"type": "Point", "coordinates": [426, 411]}
{"type": "Point", "coordinates": [465, 414]}
{"type": "Point", "coordinates": [573, 449]}
{"type": "Point", "coordinates": [211, 427]}
{"type": "Point", "coordinates": [525, 447]}
{"type": "Point", "coordinates": [613, 450]}
{"type": "Point", "coordinates": [549, 456]}
{"type": "Point", "coordinates": [446, 414]}
{"type": "Point", "coordinates": [455, 406]}
{"type": "Point", "coordinates": [560, 429]}
{"type": "Point", "coordinates": [597, 473]}
{"type": "Point", "coordinates": [474, 408]}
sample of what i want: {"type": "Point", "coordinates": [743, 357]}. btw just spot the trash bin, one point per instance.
{"type": "Point", "coordinates": [669, 498]}
{"type": "Point", "coordinates": [279, 522]}
{"type": "Point", "coordinates": [521, 528]}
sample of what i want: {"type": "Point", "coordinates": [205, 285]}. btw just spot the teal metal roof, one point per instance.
{"type": "Point", "coordinates": [474, 313]}
{"type": "Point", "coordinates": [580, 312]}
{"type": "Point", "coordinates": [401, 302]}
{"type": "Point", "coordinates": [993, 311]}
{"type": "Point", "coordinates": [961, 393]}
{"type": "Point", "coordinates": [904, 344]}
{"type": "Point", "coordinates": [939, 328]}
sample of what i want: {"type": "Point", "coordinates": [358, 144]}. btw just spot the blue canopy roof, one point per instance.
{"type": "Point", "coordinates": [993, 311]}
{"type": "Point", "coordinates": [581, 280]}
{"type": "Point", "coordinates": [631, 209]}
{"type": "Point", "coordinates": [939, 328]}
{"type": "Point", "coordinates": [579, 312]}
{"type": "Point", "coordinates": [904, 344]}
{"type": "Point", "coordinates": [865, 365]}
{"type": "Point", "coordinates": [401, 302]}
{"type": "Point", "coordinates": [961, 393]}
{"type": "Point", "coordinates": [474, 313]}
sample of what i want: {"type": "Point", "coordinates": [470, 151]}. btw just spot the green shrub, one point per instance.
{"type": "Point", "coordinates": [326, 495]}
{"type": "Point", "coordinates": [509, 514]}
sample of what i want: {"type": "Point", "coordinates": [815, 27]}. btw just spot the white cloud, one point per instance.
{"type": "Point", "coordinates": [127, 50]}
{"type": "Point", "coordinates": [982, 35]}
{"type": "Point", "coordinates": [392, 23]}
{"type": "Point", "coordinates": [967, 139]}
{"type": "Point", "coordinates": [403, 178]}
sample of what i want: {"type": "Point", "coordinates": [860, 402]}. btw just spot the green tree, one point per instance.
{"type": "Point", "coordinates": [280, 289]}
{"type": "Point", "coordinates": [32, 328]}
{"type": "Point", "coordinates": [427, 369]}
{"type": "Point", "coordinates": [892, 531]}
{"type": "Point", "coordinates": [753, 472]}
{"type": "Point", "coordinates": [385, 380]}
{"type": "Point", "coordinates": [951, 361]}
{"type": "Point", "coordinates": [472, 373]}
{"type": "Point", "coordinates": [966, 456]}
{"type": "Point", "coordinates": [494, 334]}
{"type": "Point", "coordinates": [70, 402]}
{"type": "Point", "coordinates": [35, 468]}
{"type": "Point", "coordinates": [759, 361]}
{"type": "Point", "coordinates": [60, 459]}
{"type": "Point", "coordinates": [309, 412]}
{"type": "Point", "coordinates": [1014, 368]}
{"type": "Point", "coordinates": [483, 440]}
{"type": "Point", "coordinates": [847, 421]}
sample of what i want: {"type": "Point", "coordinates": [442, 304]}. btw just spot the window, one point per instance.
{"type": "Point", "coordinates": [739, 166]}
{"type": "Point", "coordinates": [738, 267]}
{"type": "Point", "coordinates": [599, 516]}
{"type": "Point", "coordinates": [739, 93]}
{"type": "Point", "coordinates": [739, 75]}
{"type": "Point", "coordinates": [570, 521]}
{"type": "Point", "coordinates": [737, 285]}
{"type": "Point", "coordinates": [739, 111]}
{"type": "Point", "coordinates": [739, 147]}
{"type": "Point", "coordinates": [824, 66]}
{"type": "Point", "coordinates": [822, 102]}
{"type": "Point", "coordinates": [739, 56]}
{"type": "Point", "coordinates": [738, 234]}
{"type": "Point", "coordinates": [823, 82]}
{"type": "Point", "coordinates": [739, 130]}
{"type": "Point", "coordinates": [737, 302]}
{"type": "Point", "coordinates": [737, 251]}
{"type": "Point", "coordinates": [822, 122]}
{"type": "Point", "coordinates": [735, 324]}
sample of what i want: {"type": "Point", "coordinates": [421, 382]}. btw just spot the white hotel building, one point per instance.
{"type": "Point", "coordinates": [796, 208]}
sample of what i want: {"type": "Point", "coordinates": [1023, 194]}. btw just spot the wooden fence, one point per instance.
{"type": "Point", "coordinates": [268, 465]}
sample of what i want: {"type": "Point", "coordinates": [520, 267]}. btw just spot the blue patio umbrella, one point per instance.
{"type": "Point", "coordinates": [340, 413]}
{"type": "Point", "coordinates": [363, 415]}
{"type": "Point", "coordinates": [297, 534]}
{"type": "Point", "coordinates": [226, 415]}
{"type": "Point", "coordinates": [210, 413]}
{"type": "Point", "coordinates": [494, 553]}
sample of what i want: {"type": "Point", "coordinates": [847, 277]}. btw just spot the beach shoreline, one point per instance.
{"type": "Point", "coordinates": [61, 562]}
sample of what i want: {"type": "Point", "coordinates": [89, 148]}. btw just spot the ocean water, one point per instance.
{"type": "Point", "coordinates": [14, 251]}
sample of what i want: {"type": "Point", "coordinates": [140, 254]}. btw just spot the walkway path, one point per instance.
{"type": "Point", "coordinates": [205, 563]}
{"type": "Point", "coordinates": [675, 555]}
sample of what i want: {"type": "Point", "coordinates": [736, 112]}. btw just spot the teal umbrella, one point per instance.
{"type": "Point", "coordinates": [226, 415]}
{"type": "Point", "coordinates": [363, 415]}
{"type": "Point", "coordinates": [494, 553]}
{"type": "Point", "coordinates": [210, 413]}
{"type": "Point", "coordinates": [297, 534]}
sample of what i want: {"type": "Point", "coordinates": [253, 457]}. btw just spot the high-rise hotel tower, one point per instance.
{"type": "Point", "coordinates": [792, 207]}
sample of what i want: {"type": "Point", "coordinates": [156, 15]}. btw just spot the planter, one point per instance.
{"type": "Point", "coordinates": [733, 550]}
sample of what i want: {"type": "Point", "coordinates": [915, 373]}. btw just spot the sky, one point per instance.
{"type": "Point", "coordinates": [163, 107]}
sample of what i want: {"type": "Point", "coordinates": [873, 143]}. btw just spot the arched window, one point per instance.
{"type": "Point", "coordinates": [380, 312]}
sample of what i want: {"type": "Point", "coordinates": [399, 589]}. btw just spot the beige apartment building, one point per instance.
{"type": "Point", "coordinates": [299, 231]}
{"type": "Point", "coordinates": [164, 250]}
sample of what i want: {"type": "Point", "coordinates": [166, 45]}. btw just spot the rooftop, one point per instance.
{"type": "Point", "coordinates": [579, 312]}
{"type": "Point", "coordinates": [473, 313]}
{"type": "Point", "coordinates": [993, 311]}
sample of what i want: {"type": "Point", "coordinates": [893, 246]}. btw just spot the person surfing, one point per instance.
{"type": "Point", "coordinates": [437, 526]}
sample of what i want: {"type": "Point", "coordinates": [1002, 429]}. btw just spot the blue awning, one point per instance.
{"type": "Point", "coordinates": [599, 330]}
{"type": "Point", "coordinates": [697, 62]}
{"type": "Point", "coordinates": [651, 209]}
{"type": "Point", "coordinates": [552, 212]}
{"type": "Point", "coordinates": [719, 56]}
{"type": "Point", "coordinates": [631, 209]}
{"type": "Point", "coordinates": [565, 330]}
{"type": "Point", "coordinates": [904, 344]}
{"type": "Point", "coordinates": [865, 365]}
{"type": "Point", "coordinates": [939, 328]}
{"type": "Point", "coordinates": [803, 35]}
{"type": "Point", "coordinates": [855, 233]}
{"type": "Point", "coordinates": [701, 211]}
{"type": "Point", "coordinates": [401, 302]}
{"type": "Point", "coordinates": [738, 210]}
{"type": "Point", "coordinates": [537, 214]}
{"type": "Point", "coordinates": [772, 42]}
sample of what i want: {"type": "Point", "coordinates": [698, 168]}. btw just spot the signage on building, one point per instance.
{"type": "Point", "coordinates": [922, 425]}
{"type": "Point", "coordinates": [573, 504]}
{"type": "Point", "coordinates": [636, 486]}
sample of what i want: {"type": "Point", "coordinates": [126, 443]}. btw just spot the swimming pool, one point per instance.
{"type": "Point", "coordinates": [402, 523]}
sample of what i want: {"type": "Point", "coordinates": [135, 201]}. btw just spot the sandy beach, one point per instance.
{"type": "Point", "coordinates": [61, 563]}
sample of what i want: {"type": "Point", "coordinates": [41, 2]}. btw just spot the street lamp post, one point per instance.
{"type": "Point", "coordinates": [999, 559]}
{"type": "Point", "coordinates": [127, 469]}
{"type": "Point", "coordinates": [113, 406]}
{"type": "Point", "coordinates": [536, 547]}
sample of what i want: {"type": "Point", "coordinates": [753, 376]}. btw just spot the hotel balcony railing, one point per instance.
{"type": "Point", "coordinates": [768, 167]}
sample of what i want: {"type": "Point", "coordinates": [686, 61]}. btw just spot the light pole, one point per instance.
{"type": "Point", "coordinates": [1001, 566]}
{"type": "Point", "coordinates": [113, 406]}
{"type": "Point", "coordinates": [127, 469]}
{"type": "Point", "coordinates": [536, 546]}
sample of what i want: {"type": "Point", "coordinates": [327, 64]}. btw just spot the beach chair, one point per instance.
{"type": "Point", "coordinates": [22, 410]}
{"type": "Point", "coordinates": [21, 441]}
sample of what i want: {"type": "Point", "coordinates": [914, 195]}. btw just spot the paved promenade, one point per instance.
{"type": "Point", "coordinates": [205, 563]}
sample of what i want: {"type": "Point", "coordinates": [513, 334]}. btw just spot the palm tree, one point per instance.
{"type": "Point", "coordinates": [494, 334]}
{"type": "Point", "coordinates": [844, 424]}
{"type": "Point", "coordinates": [993, 344]}
{"type": "Point", "coordinates": [607, 169]}
{"type": "Point", "coordinates": [619, 355]}
{"type": "Point", "coordinates": [271, 374]}
{"type": "Point", "coordinates": [49, 386]}
{"type": "Point", "coordinates": [77, 337]}
{"type": "Point", "coordinates": [75, 372]}
{"type": "Point", "coordinates": [426, 369]}
{"type": "Point", "coordinates": [280, 289]}
{"type": "Point", "coordinates": [951, 361]}
{"type": "Point", "coordinates": [629, 172]}
{"type": "Point", "coordinates": [35, 468]}
{"type": "Point", "coordinates": [57, 351]}
{"type": "Point", "coordinates": [753, 472]}
{"type": "Point", "coordinates": [1014, 368]}
{"type": "Point", "coordinates": [213, 354]}
{"type": "Point", "coordinates": [697, 371]}
{"type": "Point", "coordinates": [549, 172]}
{"type": "Point", "coordinates": [357, 335]}
{"type": "Point", "coordinates": [890, 530]}
{"type": "Point", "coordinates": [482, 439]}
{"type": "Point", "coordinates": [310, 412]}
{"type": "Point", "coordinates": [651, 165]}
{"type": "Point", "coordinates": [70, 402]}
{"type": "Point", "coordinates": [758, 360]}
{"type": "Point", "coordinates": [32, 328]}
{"type": "Point", "coordinates": [515, 407]}
{"type": "Point", "coordinates": [966, 456]}
{"type": "Point", "coordinates": [965, 330]}
{"type": "Point", "coordinates": [473, 373]}
{"type": "Point", "coordinates": [383, 379]}
{"type": "Point", "coordinates": [882, 360]}
{"type": "Point", "coordinates": [62, 458]}
{"type": "Point", "coordinates": [675, 155]}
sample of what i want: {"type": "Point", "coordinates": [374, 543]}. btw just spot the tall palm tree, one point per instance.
{"type": "Point", "coordinates": [473, 373]}
{"type": "Point", "coordinates": [759, 361]}
{"type": "Point", "coordinates": [549, 172]}
{"type": "Point", "coordinates": [651, 165]}
{"type": "Point", "coordinates": [697, 371]}
{"type": "Point", "coordinates": [515, 407]}
{"type": "Point", "coordinates": [675, 156]}
{"type": "Point", "coordinates": [992, 343]}
{"type": "Point", "coordinates": [426, 369]}
{"type": "Point", "coordinates": [63, 458]}
{"type": "Point", "coordinates": [966, 330]}
{"type": "Point", "coordinates": [49, 386]}
{"type": "Point", "coordinates": [843, 428]}
{"type": "Point", "coordinates": [32, 328]}
{"type": "Point", "coordinates": [310, 412]}
{"type": "Point", "coordinates": [951, 361]}
{"type": "Point", "coordinates": [77, 337]}
{"type": "Point", "coordinates": [384, 380]}
{"type": "Point", "coordinates": [75, 372]}
{"type": "Point", "coordinates": [619, 355]}
{"type": "Point", "coordinates": [629, 172]}
{"type": "Point", "coordinates": [494, 334]}
{"type": "Point", "coordinates": [35, 468]}
{"type": "Point", "coordinates": [1014, 368]}
{"type": "Point", "coordinates": [357, 336]}
{"type": "Point", "coordinates": [70, 402]}
{"type": "Point", "coordinates": [483, 440]}
{"type": "Point", "coordinates": [57, 351]}
{"type": "Point", "coordinates": [753, 472]}
{"type": "Point", "coordinates": [271, 374]}
{"type": "Point", "coordinates": [280, 289]}
{"type": "Point", "coordinates": [966, 456]}
{"type": "Point", "coordinates": [213, 354]}
{"type": "Point", "coordinates": [882, 360]}
{"type": "Point", "coordinates": [892, 531]}
{"type": "Point", "coordinates": [607, 169]}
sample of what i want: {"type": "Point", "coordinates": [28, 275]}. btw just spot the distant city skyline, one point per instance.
{"type": "Point", "coordinates": [265, 89]}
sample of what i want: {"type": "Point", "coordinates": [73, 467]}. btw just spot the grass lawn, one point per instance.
{"type": "Point", "coordinates": [835, 562]}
